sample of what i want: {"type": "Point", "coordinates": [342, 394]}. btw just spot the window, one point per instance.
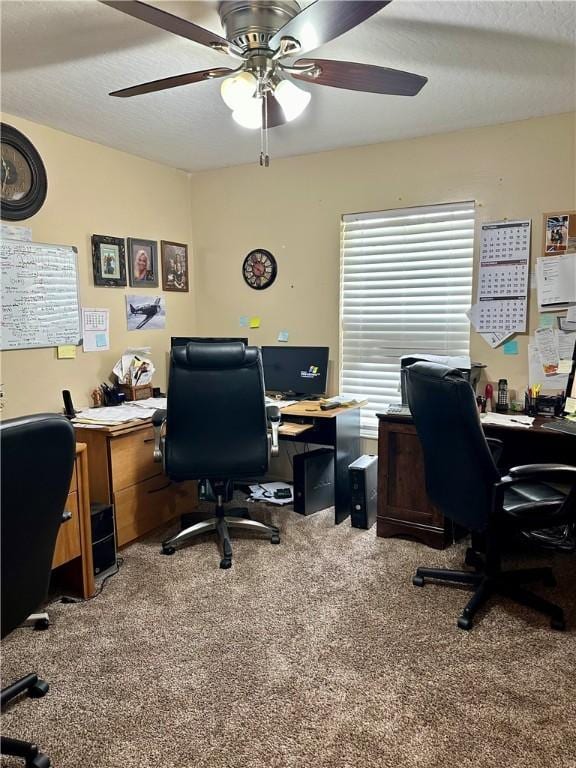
{"type": "Point", "coordinates": [405, 286]}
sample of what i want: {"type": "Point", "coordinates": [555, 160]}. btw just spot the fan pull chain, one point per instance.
{"type": "Point", "coordinates": [264, 156]}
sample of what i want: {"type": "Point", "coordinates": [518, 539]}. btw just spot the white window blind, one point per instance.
{"type": "Point", "coordinates": [405, 285]}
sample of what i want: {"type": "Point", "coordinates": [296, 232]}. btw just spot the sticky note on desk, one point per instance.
{"type": "Point", "coordinates": [510, 347]}
{"type": "Point", "coordinates": [283, 335]}
{"type": "Point", "coordinates": [66, 352]}
{"type": "Point", "coordinates": [254, 322]}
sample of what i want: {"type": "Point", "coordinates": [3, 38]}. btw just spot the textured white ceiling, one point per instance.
{"type": "Point", "coordinates": [487, 63]}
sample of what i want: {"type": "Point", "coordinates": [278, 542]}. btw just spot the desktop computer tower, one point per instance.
{"type": "Point", "coordinates": [103, 539]}
{"type": "Point", "coordinates": [363, 491]}
{"type": "Point", "coordinates": [313, 480]}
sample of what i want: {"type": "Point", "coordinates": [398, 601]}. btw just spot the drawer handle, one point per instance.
{"type": "Point", "coordinates": [149, 440]}
{"type": "Point", "coordinates": [162, 488]}
{"type": "Point", "coordinates": [66, 516]}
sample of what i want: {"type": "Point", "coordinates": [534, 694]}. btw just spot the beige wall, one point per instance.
{"type": "Point", "coordinates": [96, 190]}
{"type": "Point", "coordinates": [293, 208]}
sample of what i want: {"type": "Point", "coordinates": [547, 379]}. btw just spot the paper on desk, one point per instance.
{"type": "Point", "coordinates": [151, 402]}
{"type": "Point", "coordinates": [135, 367]}
{"type": "Point", "coordinates": [265, 493]}
{"type": "Point", "coordinates": [115, 415]}
{"type": "Point", "coordinates": [280, 403]}
{"type": "Point", "coordinates": [503, 419]}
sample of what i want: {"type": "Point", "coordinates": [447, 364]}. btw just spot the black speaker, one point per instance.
{"type": "Point", "coordinates": [103, 539]}
{"type": "Point", "coordinates": [313, 480]}
{"type": "Point", "coordinates": [363, 475]}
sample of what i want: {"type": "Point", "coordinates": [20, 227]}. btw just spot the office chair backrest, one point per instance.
{"type": "Point", "coordinates": [37, 458]}
{"type": "Point", "coordinates": [216, 424]}
{"type": "Point", "coordinates": [460, 470]}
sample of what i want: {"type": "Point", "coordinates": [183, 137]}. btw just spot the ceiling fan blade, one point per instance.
{"type": "Point", "coordinates": [324, 20]}
{"type": "Point", "coordinates": [275, 112]}
{"type": "Point", "coordinates": [173, 82]}
{"type": "Point", "coordinates": [170, 23]}
{"type": "Point", "coordinates": [362, 77]}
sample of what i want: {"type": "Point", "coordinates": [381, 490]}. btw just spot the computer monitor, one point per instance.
{"type": "Point", "coordinates": [181, 341]}
{"type": "Point", "coordinates": [299, 371]}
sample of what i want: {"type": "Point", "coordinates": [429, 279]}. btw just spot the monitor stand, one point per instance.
{"type": "Point", "coordinates": [294, 396]}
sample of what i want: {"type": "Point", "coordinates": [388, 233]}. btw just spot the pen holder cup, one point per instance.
{"type": "Point", "coordinates": [530, 405]}
{"type": "Point", "coordinates": [136, 393]}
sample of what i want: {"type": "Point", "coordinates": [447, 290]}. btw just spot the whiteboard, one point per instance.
{"type": "Point", "coordinates": [40, 306]}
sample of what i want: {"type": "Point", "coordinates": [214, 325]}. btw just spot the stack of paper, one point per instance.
{"type": "Point", "coordinates": [503, 419]}
{"type": "Point", "coordinates": [113, 415]}
{"type": "Point", "coordinates": [134, 367]}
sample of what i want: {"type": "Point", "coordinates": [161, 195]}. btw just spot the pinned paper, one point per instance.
{"type": "Point", "coordinates": [254, 322]}
{"type": "Point", "coordinates": [244, 320]}
{"type": "Point", "coordinates": [283, 335]}
{"type": "Point", "coordinates": [546, 321]}
{"type": "Point", "coordinates": [95, 329]}
{"type": "Point", "coordinates": [102, 340]}
{"type": "Point", "coordinates": [66, 352]}
{"type": "Point", "coordinates": [510, 347]}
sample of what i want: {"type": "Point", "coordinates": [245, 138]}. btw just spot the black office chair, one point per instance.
{"type": "Point", "coordinates": [217, 429]}
{"type": "Point", "coordinates": [37, 456]}
{"type": "Point", "coordinates": [463, 481]}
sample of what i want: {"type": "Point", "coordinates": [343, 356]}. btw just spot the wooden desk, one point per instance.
{"type": "Point", "coordinates": [403, 506]}
{"type": "Point", "coordinates": [339, 428]}
{"type": "Point", "coordinates": [123, 473]}
{"type": "Point", "coordinates": [73, 554]}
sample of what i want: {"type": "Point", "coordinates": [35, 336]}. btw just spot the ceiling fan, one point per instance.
{"type": "Point", "coordinates": [263, 35]}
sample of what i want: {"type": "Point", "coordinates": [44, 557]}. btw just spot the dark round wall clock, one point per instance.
{"type": "Point", "coordinates": [259, 269]}
{"type": "Point", "coordinates": [23, 183]}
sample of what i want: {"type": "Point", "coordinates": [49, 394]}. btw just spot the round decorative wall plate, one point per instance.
{"type": "Point", "coordinates": [23, 182]}
{"type": "Point", "coordinates": [259, 269]}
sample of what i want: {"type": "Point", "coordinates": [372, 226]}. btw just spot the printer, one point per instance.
{"type": "Point", "coordinates": [471, 371]}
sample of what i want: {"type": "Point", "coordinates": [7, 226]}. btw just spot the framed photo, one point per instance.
{"type": "Point", "coordinates": [174, 266]}
{"type": "Point", "coordinates": [559, 233]}
{"type": "Point", "coordinates": [109, 261]}
{"type": "Point", "coordinates": [142, 263]}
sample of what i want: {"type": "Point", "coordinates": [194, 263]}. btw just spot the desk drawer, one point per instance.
{"type": "Point", "coordinates": [68, 541]}
{"type": "Point", "coordinates": [132, 458]}
{"type": "Point", "coordinates": [147, 505]}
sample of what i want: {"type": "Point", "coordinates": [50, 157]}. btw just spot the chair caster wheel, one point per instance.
{"type": "Point", "coordinates": [418, 581]}
{"type": "Point", "coordinates": [168, 550]}
{"type": "Point", "coordinates": [558, 624]}
{"type": "Point", "coordinates": [39, 689]}
{"type": "Point", "coordinates": [38, 761]}
{"type": "Point", "coordinates": [42, 624]}
{"type": "Point", "coordinates": [275, 538]}
{"type": "Point", "coordinates": [225, 563]}
{"type": "Point", "coordinates": [464, 623]}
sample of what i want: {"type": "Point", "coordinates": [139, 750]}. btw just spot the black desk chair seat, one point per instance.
{"type": "Point", "coordinates": [217, 428]}
{"type": "Point", "coordinates": [463, 481]}
{"type": "Point", "coordinates": [37, 454]}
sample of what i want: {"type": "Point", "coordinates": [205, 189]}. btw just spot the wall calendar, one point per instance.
{"type": "Point", "coordinates": [503, 276]}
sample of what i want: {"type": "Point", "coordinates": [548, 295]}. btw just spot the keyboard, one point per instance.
{"type": "Point", "coordinates": [569, 427]}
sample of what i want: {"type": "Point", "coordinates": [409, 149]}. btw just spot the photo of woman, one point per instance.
{"type": "Point", "coordinates": [143, 263]}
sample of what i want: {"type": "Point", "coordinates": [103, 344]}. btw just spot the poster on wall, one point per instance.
{"type": "Point", "coordinates": [145, 312]}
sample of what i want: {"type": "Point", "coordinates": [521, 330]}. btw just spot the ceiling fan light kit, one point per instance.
{"type": "Point", "coordinates": [264, 35]}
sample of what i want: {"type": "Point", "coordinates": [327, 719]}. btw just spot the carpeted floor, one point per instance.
{"type": "Point", "coordinates": [317, 653]}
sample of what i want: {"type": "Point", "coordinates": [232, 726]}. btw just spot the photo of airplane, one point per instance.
{"type": "Point", "coordinates": [147, 311]}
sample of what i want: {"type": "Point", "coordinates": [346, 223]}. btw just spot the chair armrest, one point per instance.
{"type": "Point", "coordinates": [551, 473]}
{"type": "Point", "coordinates": [158, 421]}
{"type": "Point", "coordinates": [273, 416]}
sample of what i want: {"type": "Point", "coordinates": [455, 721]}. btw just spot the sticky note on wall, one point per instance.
{"type": "Point", "coordinates": [283, 335]}
{"type": "Point", "coordinates": [254, 322]}
{"type": "Point", "coordinates": [66, 352]}
{"type": "Point", "coordinates": [510, 347]}
{"type": "Point", "coordinates": [244, 320]}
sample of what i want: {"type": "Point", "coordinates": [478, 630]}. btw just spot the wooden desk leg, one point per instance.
{"type": "Point", "coordinates": [346, 450]}
{"type": "Point", "coordinates": [88, 586]}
